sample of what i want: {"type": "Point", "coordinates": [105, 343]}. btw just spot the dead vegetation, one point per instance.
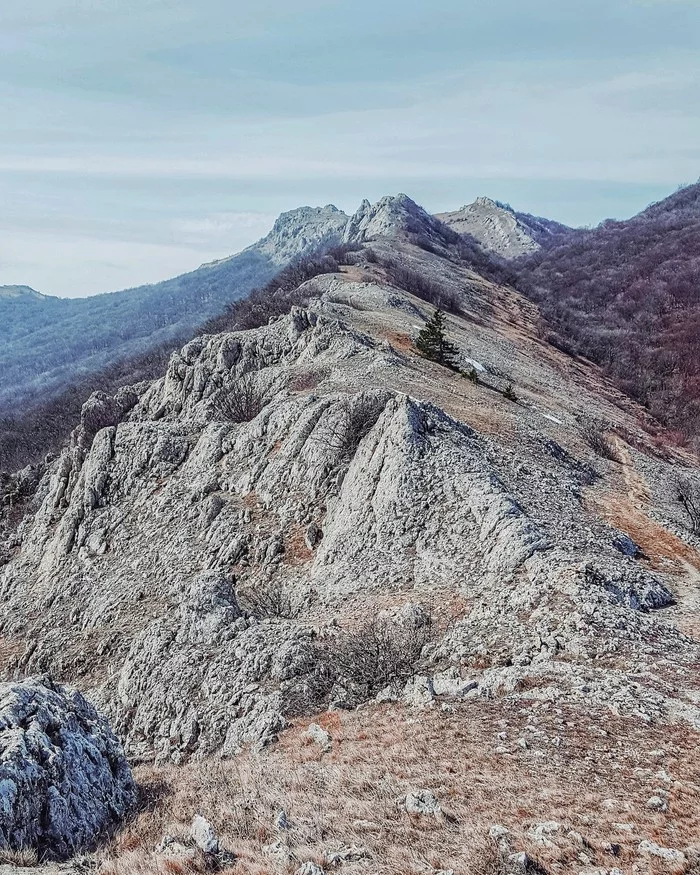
{"type": "Point", "coordinates": [596, 434]}
{"type": "Point", "coordinates": [242, 401]}
{"type": "Point", "coordinates": [687, 493]}
{"type": "Point", "coordinates": [593, 783]}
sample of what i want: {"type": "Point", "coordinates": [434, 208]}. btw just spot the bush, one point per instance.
{"type": "Point", "coordinates": [381, 653]}
{"type": "Point", "coordinates": [595, 434]}
{"type": "Point", "coordinates": [268, 598]}
{"type": "Point", "coordinates": [343, 427]}
{"type": "Point", "coordinates": [509, 393]}
{"type": "Point", "coordinates": [687, 493]}
{"type": "Point", "coordinates": [242, 402]}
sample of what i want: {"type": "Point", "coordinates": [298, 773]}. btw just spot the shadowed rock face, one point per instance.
{"type": "Point", "coordinates": [64, 780]}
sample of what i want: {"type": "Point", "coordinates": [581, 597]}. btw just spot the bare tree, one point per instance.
{"type": "Point", "coordinates": [687, 493]}
{"type": "Point", "coordinates": [595, 433]}
{"type": "Point", "coordinates": [243, 401]}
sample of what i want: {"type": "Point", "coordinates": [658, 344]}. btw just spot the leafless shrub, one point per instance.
{"type": "Point", "coordinates": [268, 598]}
{"type": "Point", "coordinates": [346, 425]}
{"type": "Point", "coordinates": [687, 493]}
{"type": "Point", "coordinates": [21, 857]}
{"type": "Point", "coordinates": [382, 653]}
{"type": "Point", "coordinates": [243, 401]}
{"type": "Point", "coordinates": [595, 433]}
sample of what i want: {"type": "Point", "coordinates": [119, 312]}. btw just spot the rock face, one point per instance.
{"type": "Point", "coordinates": [392, 217]}
{"type": "Point", "coordinates": [186, 567]}
{"type": "Point", "coordinates": [300, 231]}
{"type": "Point", "coordinates": [64, 780]}
{"type": "Point", "coordinates": [499, 229]}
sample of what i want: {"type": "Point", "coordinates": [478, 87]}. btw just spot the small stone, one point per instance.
{"type": "Point", "coordinates": [282, 821]}
{"type": "Point", "coordinates": [541, 832]}
{"type": "Point", "coordinates": [309, 868]}
{"type": "Point", "coordinates": [351, 854]}
{"type": "Point", "coordinates": [502, 837]}
{"type": "Point", "coordinates": [422, 802]}
{"type": "Point", "coordinates": [419, 692]}
{"type": "Point", "coordinates": [670, 855]}
{"type": "Point", "coordinates": [519, 864]}
{"type": "Point", "coordinates": [320, 737]}
{"type": "Point", "coordinates": [203, 835]}
{"type": "Point", "coordinates": [656, 803]}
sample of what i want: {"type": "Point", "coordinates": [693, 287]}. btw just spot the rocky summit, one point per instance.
{"type": "Point", "coordinates": [347, 607]}
{"type": "Point", "coordinates": [498, 228]}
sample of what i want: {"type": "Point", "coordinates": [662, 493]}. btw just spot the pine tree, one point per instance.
{"type": "Point", "coordinates": [433, 344]}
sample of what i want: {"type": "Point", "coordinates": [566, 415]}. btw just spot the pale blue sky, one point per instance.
{"type": "Point", "coordinates": [143, 137]}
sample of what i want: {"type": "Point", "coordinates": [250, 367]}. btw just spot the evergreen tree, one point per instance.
{"type": "Point", "coordinates": [433, 344]}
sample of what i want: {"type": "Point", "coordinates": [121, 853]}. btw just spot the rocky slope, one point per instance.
{"type": "Point", "coordinates": [499, 229]}
{"type": "Point", "coordinates": [200, 569]}
{"type": "Point", "coordinates": [46, 343]}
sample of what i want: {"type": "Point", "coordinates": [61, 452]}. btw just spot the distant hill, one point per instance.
{"type": "Point", "coordinates": [46, 343]}
{"type": "Point", "coordinates": [627, 295]}
{"type": "Point", "coordinates": [499, 229]}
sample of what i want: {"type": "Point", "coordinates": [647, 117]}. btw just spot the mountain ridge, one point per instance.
{"type": "Point", "coordinates": [217, 554]}
{"type": "Point", "coordinates": [499, 229]}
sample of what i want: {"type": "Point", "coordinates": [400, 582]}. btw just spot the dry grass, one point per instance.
{"type": "Point", "coordinates": [599, 777]}
{"type": "Point", "coordinates": [296, 551]}
{"type": "Point", "coordinates": [22, 858]}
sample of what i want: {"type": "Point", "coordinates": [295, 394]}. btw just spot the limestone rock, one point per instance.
{"type": "Point", "coordinates": [422, 802]}
{"type": "Point", "coordinates": [320, 737]}
{"type": "Point", "coordinates": [63, 776]}
{"type": "Point", "coordinates": [203, 835]}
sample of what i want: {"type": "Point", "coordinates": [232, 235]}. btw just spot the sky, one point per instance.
{"type": "Point", "coordinates": [141, 138]}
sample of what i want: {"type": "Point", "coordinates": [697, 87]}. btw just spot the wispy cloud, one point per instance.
{"type": "Point", "coordinates": [148, 129]}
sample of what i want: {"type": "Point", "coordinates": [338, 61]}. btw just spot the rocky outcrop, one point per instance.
{"type": "Point", "coordinates": [499, 229]}
{"type": "Point", "coordinates": [187, 564]}
{"type": "Point", "coordinates": [64, 781]}
{"type": "Point", "coordinates": [393, 217]}
{"type": "Point", "coordinates": [301, 231]}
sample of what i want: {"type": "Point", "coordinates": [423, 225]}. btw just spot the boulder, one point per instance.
{"type": "Point", "coordinates": [64, 780]}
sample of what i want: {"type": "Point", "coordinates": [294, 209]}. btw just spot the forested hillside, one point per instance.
{"type": "Point", "coordinates": [627, 296]}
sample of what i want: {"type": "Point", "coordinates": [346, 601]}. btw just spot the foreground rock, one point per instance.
{"type": "Point", "coordinates": [64, 780]}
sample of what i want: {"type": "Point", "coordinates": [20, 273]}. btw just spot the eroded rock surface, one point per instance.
{"type": "Point", "coordinates": [64, 780]}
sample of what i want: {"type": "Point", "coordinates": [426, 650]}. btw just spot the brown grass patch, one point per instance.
{"type": "Point", "coordinates": [600, 775]}
{"type": "Point", "coordinates": [296, 552]}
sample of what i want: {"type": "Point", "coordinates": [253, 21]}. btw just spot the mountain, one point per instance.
{"type": "Point", "coordinates": [20, 293]}
{"type": "Point", "coordinates": [502, 231]}
{"type": "Point", "coordinates": [355, 609]}
{"type": "Point", "coordinates": [47, 343]}
{"type": "Point", "coordinates": [627, 295]}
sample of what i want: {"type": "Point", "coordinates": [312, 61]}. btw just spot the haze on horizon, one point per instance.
{"type": "Point", "coordinates": [141, 139]}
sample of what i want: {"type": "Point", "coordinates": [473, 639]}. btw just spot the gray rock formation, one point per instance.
{"type": "Point", "coordinates": [64, 781]}
{"type": "Point", "coordinates": [499, 229]}
{"type": "Point", "coordinates": [187, 568]}
{"type": "Point", "coordinates": [299, 231]}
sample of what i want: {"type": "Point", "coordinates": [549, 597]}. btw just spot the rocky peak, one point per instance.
{"type": "Point", "coordinates": [298, 230]}
{"type": "Point", "coordinates": [489, 203]}
{"type": "Point", "coordinates": [393, 216]}
{"type": "Point", "coordinates": [20, 292]}
{"type": "Point", "coordinates": [495, 226]}
{"type": "Point", "coordinates": [498, 228]}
